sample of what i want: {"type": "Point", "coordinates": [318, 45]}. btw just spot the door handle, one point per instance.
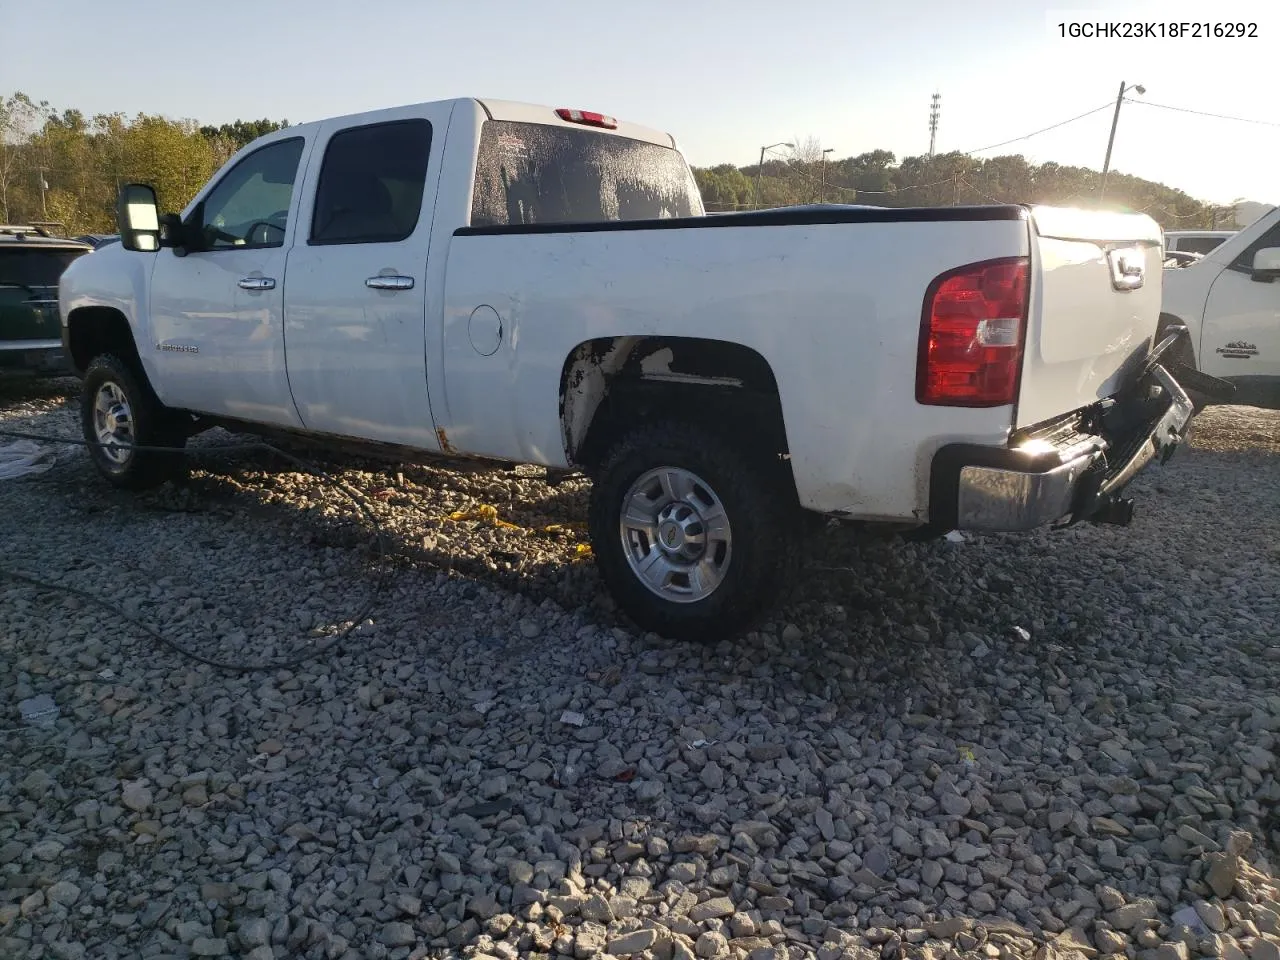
{"type": "Point", "coordinates": [257, 283]}
{"type": "Point", "coordinates": [389, 283]}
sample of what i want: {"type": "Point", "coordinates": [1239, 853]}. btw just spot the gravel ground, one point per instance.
{"type": "Point", "coordinates": [1034, 747]}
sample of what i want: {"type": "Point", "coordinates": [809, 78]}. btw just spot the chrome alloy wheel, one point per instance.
{"type": "Point", "coordinates": [113, 423]}
{"type": "Point", "coordinates": [675, 534]}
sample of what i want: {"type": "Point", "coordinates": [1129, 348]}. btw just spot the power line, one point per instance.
{"type": "Point", "coordinates": [1036, 133]}
{"type": "Point", "coordinates": [982, 194]}
{"type": "Point", "coordinates": [1204, 113]}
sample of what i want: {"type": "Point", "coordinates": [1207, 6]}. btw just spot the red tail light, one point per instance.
{"type": "Point", "coordinates": [588, 118]}
{"type": "Point", "coordinates": [971, 336]}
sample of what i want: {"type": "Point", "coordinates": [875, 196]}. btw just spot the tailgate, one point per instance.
{"type": "Point", "coordinates": [1095, 307]}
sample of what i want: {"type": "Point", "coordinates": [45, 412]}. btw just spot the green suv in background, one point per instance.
{"type": "Point", "coordinates": [31, 261]}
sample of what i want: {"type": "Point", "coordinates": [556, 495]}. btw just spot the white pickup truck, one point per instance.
{"type": "Point", "coordinates": [1229, 300]}
{"type": "Point", "coordinates": [498, 280]}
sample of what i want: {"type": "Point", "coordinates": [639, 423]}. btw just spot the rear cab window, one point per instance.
{"type": "Point", "coordinates": [529, 173]}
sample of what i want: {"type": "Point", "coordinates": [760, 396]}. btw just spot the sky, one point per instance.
{"type": "Point", "coordinates": [726, 78]}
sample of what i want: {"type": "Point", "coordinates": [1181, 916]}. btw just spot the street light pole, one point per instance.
{"type": "Point", "coordinates": [1115, 118]}
{"type": "Point", "coordinates": [760, 168]}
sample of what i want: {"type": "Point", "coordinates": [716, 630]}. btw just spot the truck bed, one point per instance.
{"type": "Point", "coordinates": [831, 297]}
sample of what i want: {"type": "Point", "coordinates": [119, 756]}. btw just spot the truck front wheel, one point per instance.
{"type": "Point", "coordinates": [694, 538]}
{"type": "Point", "coordinates": [119, 413]}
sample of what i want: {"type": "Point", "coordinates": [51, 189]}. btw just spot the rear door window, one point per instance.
{"type": "Point", "coordinates": [371, 183]}
{"type": "Point", "coordinates": [28, 267]}
{"type": "Point", "coordinates": [537, 173]}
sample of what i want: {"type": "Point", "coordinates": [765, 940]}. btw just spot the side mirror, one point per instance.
{"type": "Point", "coordinates": [137, 218]}
{"type": "Point", "coordinates": [1266, 264]}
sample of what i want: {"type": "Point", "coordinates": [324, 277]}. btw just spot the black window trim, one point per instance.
{"type": "Point", "coordinates": [1244, 262]}
{"type": "Point", "coordinates": [195, 220]}
{"type": "Point", "coordinates": [315, 197]}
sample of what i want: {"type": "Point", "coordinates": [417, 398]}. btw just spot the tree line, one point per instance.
{"type": "Point", "coordinates": [65, 168]}
{"type": "Point", "coordinates": [879, 178]}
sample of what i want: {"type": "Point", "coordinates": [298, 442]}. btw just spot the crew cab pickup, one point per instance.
{"type": "Point", "coordinates": [497, 280]}
{"type": "Point", "coordinates": [1229, 301]}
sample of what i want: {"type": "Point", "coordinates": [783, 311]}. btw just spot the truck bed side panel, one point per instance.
{"type": "Point", "coordinates": [834, 308]}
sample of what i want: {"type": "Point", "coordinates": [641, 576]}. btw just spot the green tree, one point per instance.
{"type": "Point", "coordinates": [19, 117]}
{"type": "Point", "coordinates": [724, 187]}
{"type": "Point", "coordinates": [173, 157]}
{"type": "Point", "coordinates": [230, 137]}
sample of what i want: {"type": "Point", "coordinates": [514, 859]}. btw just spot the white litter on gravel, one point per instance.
{"type": "Point", "coordinates": [22, 458]}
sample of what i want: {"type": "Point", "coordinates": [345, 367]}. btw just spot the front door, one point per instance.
{"type": "Point", "coordinates": [356, 297]}
{"type": "Point", "coordinates": [217, 310]}
{"type": "Point", "coordinates": [1241, 337]}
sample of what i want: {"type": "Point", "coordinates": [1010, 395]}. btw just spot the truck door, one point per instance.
{"type": "Point", "coordinates": [1241, 332]}
{"type": "Point", "coordinates": [217, 312]}
{"type": "Point", "coordinates": [355, 296]}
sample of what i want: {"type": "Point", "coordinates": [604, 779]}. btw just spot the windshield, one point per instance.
{"type": "Point", "coordinates": [30, 267]}
{"type": "Point", "coordinates": [534, 173]}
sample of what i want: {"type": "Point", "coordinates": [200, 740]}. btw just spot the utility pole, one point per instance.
{"type": "Point", "coordinates": [822, 197]}
{"type": "Point", "coordinates": [1115, 118]}
{"type": "Point", "coordinates": [759, 174]}
{"type": "Point", "coordinates": [44, 211]}
{"type": "Point", "coordinates": [760, 169]}
{"type": "Point", "coordinates": [935, 110]}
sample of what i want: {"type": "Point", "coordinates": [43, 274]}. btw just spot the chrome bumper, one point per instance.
{"type": "Point", "coordinates": [1012, 489]}
{"type": "Point", "coordinates": [1002, 498]}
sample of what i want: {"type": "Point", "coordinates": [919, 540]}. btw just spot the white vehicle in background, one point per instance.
{"type": "Point", "coordinates": [498, 280]}
{"type": "Point", "coordinates": [1229, 300]}
{"type": "Point", "coordinates": [1195, 241]}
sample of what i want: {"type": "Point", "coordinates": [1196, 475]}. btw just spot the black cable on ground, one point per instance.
{"type": "Point", "coordinates": [284, 663]}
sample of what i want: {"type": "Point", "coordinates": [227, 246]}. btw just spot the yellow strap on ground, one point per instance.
{"type": "Point", "coordinates": [483, 511]}
{"type": "Point", "coordinates": [487, 511]}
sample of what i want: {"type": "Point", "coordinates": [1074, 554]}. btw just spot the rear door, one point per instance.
{"type": "Point", "coordinates": [355, 294]}
{"type": "Point", "coordinates": [29, 275]}
{"type": "Point", "coordinates": [1094, 309]}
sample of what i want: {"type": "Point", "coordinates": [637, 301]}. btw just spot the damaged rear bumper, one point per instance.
{"type": "Point", "coordinates": [1073, 471]}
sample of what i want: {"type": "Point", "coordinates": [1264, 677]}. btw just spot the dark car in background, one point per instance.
{"type": "Point", "coordinates": [31, 262]}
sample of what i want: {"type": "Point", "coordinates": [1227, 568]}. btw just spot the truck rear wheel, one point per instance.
{"type": "Point", "coordinates": [118, 410]}
{"type": "Point", "coordinates": [694, 538]}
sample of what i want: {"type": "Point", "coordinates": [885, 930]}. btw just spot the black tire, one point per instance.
{"type": "Point", "coordinates": [763, 520]}
{"type": "Point", "coordinates": [153, 425]}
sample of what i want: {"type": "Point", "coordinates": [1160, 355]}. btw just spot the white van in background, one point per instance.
{"type": "Point", "coordinates": [1195, 241]}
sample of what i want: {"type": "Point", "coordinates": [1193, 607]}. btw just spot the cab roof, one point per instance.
{"type": "Point", "coordinates": [496, 109]}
